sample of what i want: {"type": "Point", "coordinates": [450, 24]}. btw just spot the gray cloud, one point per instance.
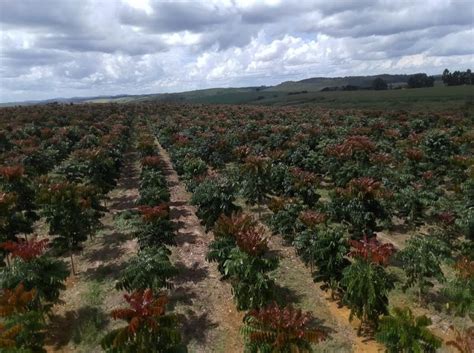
{"type": "Point", "coordinates": [42, 14]}
{"type": "Point", "coordinates": [77, 47]}
{"type": "Point", "coordinates": [176, 16]}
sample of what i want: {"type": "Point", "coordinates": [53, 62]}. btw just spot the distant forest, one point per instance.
{"type": "Point", "coordinates": [458, 78]}
{"type": "Point", "coordinates": [419, 80]}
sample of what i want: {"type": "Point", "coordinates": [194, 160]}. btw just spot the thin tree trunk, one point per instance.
{"type": "Point", "coordinates": [72, 262]}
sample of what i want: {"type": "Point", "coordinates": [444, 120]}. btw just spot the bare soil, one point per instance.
{"type": "Point", "coordinates": [210, 320]}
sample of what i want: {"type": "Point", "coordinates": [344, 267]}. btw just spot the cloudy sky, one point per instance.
{"type": "Point", "coordinates": [64, 48]}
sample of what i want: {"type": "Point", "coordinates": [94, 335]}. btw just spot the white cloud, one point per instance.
{"type": "Point", "coordinates": [87, 47]}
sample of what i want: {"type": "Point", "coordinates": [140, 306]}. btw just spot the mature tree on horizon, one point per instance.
{"type": "Point", "coordinates": [420, 80]}
{"type": "Point", "coordinates": [457, 78]}
{"type": "Point", "coordinates": [379, 84]}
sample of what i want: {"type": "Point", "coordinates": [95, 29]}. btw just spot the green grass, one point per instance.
{"type": "Point", "coordinates": [433, 98]}
{"type": "Point", "coordinates": [91, 320]}
{"type": "Point", "coordinates": [126, 221]}
{"type": "Point", "coordinates": [95, 293]}
{"type": "Point", "coordinates": [437, 98]}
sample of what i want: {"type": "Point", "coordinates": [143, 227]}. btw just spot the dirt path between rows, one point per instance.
{"type": "Point", "coordinates": [81, 320]}
{"type": "Point", "coordinates": [296, 277]}
{"type": "Point", "coordinates": [210, 320]}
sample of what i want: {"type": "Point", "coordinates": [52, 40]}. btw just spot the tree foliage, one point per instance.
{"type": "Point", "coordinates": [156, 229]}
{"type": "Point", "coordinates": [72, 212]}
{"type": "Point", "coordinates": [21, 329]}
{"type": "Point", "coordinates": [366, 290]}
{"type": "Point", "coordinates": [279, 329]}
{"type": "Point", "coordinates": [17, 202]}
{"type": "Point", "coordinates": [379, 84]}
{"type": "Point", "coordinates": [401, 331]}
{"type": "Point", "coordinates": [149, 328]}
{"type": "Point", "coordinates": [150, 268]}
{"type": "Point", "coordinates": [256, 173]}
{"type": "Point", "coordinates": [420, 80]}
{"type": "Point", "coordinates": [421, 260]}
{"type": "Point", "coordinates": [252, 287]}
{"type": "Point", "coordinates": [359, 204]}
{"type": "Point", "coordinates": [44, 273]}
{"type": "Point", "coordinates": [459, 291]}
{"type": "Point", "coordinates": [457, 78]}
{"type": "Point", "coordinates": [213, 197]}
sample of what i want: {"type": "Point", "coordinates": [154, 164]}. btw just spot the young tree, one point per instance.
{"type": "Point", "coordinates": [153, 186]}
{"type": "Point", "coordinates": [34, 269]}
{"type": "Point", "coordinates": [304, 241]}
{"type": "Point", "coordinates": [401, 331]}
{"type": "Point", "coordinates": [72, 211]}
{"type": "Point", "coordinates": [226, 230]}
{"type": "Point", "coordinates": [360, 205]}
{"type": "Point", "coordinates": [421, 260]}
{"type": "Point", "coordinates": [213, 197]}
{"type": "Point", "coordinates": [304, 184]}
{"type": "Point", "coordinates": [150, 268]}
{"type": "Point", "coordinates": [366, 282]}
{"type": "Point", "coordinates": [284, 220]}
{"type": "Point", "coordinates": [460, 291]}
{"type": "Point", "coordinates": [350, 158]}
{"type": "Point", "coordinates": [156, 229]}
{"type": "Point", "coordinates": [17, 208]}
{"type": "Point", "coordinates": [149, 329]}
{"type": "Point", "coordinates": [21, 329]}
{"type": "Point", "coordinates": [240, 251]}
{"type": "Point", "coordinates": [91, 165]}
{"type": "Point", "coordinates": [329, 250]}
{"type": "Point", "coordinates": [252, 287]}
{"type": "Point", "coordinates": [280, 330]}
{"type": "Point", "coordinates": [256, 176]}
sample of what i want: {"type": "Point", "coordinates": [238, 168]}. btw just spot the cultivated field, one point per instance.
{"type": "Point", "coordinates": [162, 227]}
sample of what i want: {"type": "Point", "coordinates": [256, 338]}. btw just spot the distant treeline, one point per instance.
{"type": "Point", "coordinates": [420, 80]}
{"type": "Point", "coordinates": [297, 92]}
{"type": "Point", "coordinates": [458, 78]}
{"type": "Point", "coordinates": [345, 88]}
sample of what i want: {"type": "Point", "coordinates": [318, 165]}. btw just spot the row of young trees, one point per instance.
{"type": "Point", "coordinates": [240, 249]}
{"type": "Point", "coordinates": [32, 276]}
{"type": "Point", "coordinates": [150, 327]}
{"type": "Point", "coordinates": [332, 180]}
{"type": "Point", "coordinates": [373, 169]}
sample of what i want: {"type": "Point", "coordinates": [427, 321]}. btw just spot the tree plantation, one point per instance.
{"type": "Point", "coordinates": [162, 227]}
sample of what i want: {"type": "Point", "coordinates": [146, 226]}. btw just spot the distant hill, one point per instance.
{"type": "Point", "coordinates": [319, 83]}
{"type": "Point", "coordinates": [240, 95]}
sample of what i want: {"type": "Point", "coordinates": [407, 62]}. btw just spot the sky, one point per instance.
{"type": "Point", "coordinates": [67, 48]}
